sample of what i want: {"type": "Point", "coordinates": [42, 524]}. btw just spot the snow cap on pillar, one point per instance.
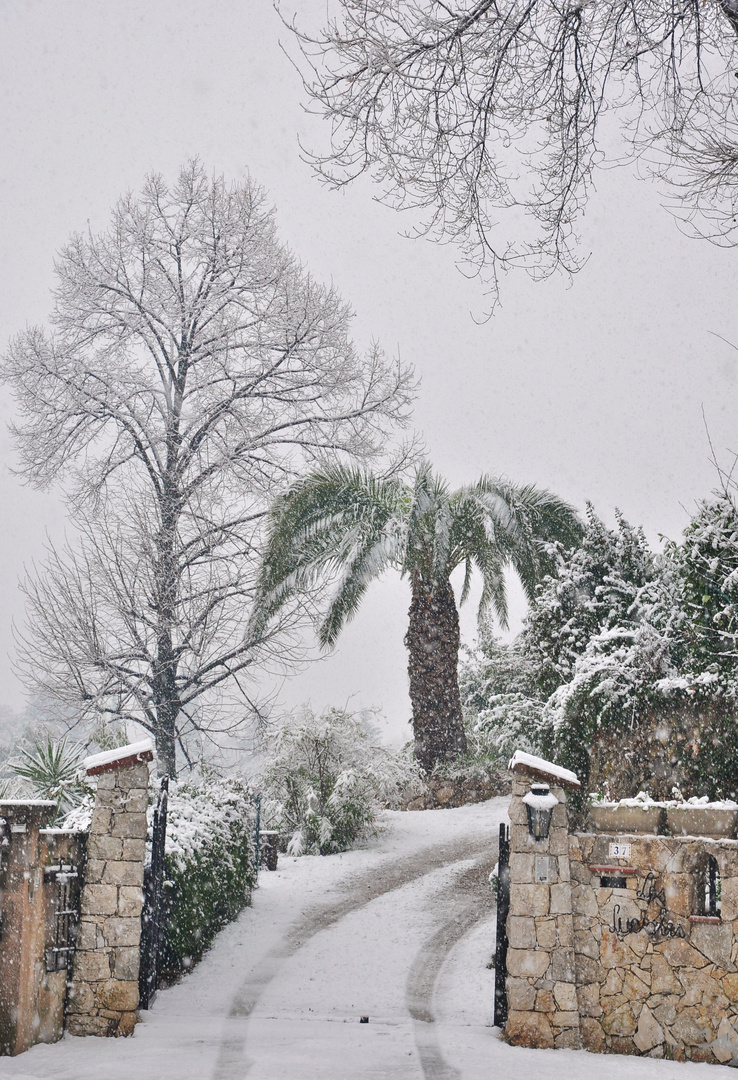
{"type": "Point", "coordinates": [540, 769]}
{"type": "Point", "coordinates": [119, 758]}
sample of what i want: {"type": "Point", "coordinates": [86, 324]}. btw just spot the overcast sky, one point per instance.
{"type": "Point", "coordinates": [594, 388]}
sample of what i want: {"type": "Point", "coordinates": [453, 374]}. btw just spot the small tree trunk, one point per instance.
{"type": "Point", "coordinates": [166, 739]}
{"type": "Point", "coordinates": [167, 707]}
{"type": "Point", "coordinates": [164, 681]}
{"type": "Point", "coordinates": [432, 641]}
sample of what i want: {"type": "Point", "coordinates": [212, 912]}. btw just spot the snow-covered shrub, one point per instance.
{"type": "Point", "coordinates": [209, 862]}
{"type": "Point", "coordinates": [210, 865]}
{"type": "Point", "coordinates": [708, 562]}
{"type": "Point", "coordinates": [627, 669]}
{"type": "Point", "coordinates": [602, 584]}
{"type": "Point", "coordinates": [637, 654]}
{"type": "Point", "coordinates": [570, 670]}
{"type": "Point", "coordinates": [328, 780]}
{"type": "Point", "coordinates": [79, 818]}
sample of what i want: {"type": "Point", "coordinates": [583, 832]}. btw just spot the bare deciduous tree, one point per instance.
{"type": "Point", "coordinates": [192, 367]}
{"type": "Point", "coordinates": [464, 109]}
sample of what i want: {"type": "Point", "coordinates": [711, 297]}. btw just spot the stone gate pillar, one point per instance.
{"type": "Point", "coordinates": [103, 994]}
{"type": "Point", "coordinates": [541, 978]}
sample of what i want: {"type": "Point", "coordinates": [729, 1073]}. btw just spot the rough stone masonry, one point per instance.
{"type": "Point", "coordinates": [103, 994]}
{"type": "Point", "coordinates": [616, 949]}
{"type": "Point", "coordinates": [541, 983]}
{"type": "Point", "coordinates": [655, 976]}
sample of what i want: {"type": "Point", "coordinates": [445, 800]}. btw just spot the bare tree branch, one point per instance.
{"type": "Point", "coordinates": [479, 113]}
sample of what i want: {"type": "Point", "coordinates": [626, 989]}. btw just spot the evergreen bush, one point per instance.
{"type": "Point", "coordinates": [627, 669]}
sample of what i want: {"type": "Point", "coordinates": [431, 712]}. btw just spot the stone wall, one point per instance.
{"type": "Point", "coordinates": [439, 792]}
{"type": "Point", "coordinates": [612, 945]}
{"type": "Point", "coordinates": [103, 995]}
{"type": "Point", "coordinates": [655, 976]}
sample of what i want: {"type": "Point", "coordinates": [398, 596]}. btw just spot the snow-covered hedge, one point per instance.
{"type": "Point", "coordinates": [644, 801]}
{"type": "Point", "coordinates": [210, 865]}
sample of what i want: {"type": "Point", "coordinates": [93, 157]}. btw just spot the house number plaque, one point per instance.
{"type": "Point", "coordinates": [619, 851]}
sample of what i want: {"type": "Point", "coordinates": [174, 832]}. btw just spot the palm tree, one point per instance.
{"type": "Point", "coordinates": [349, 524]}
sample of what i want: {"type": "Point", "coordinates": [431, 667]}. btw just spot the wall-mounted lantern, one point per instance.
{"type": "Point", "coordinates": [539, 803]}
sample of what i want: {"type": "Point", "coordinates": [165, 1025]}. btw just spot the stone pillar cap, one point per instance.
{"type": "Point", "coordinates": [10, 803]}
{"type": "Point", "coordinates": [118, 758]}
{"type": "Point", "coordinates": [540, 769]}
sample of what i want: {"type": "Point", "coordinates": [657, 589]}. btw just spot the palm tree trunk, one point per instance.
{"type": "Point", "coordinates": [432, 641]}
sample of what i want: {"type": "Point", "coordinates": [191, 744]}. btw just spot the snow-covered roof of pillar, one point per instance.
{"type": "Point", "coordinates": [531, 765]}
{"type": "Point", "coordinates": [118, 758]}
{"type": "Point", "coordinates": [45, 803]}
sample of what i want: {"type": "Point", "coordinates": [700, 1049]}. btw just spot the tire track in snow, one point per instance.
{"type": "Point", "coordinates": [361, 889]}
{"type": "Point", "coordinates": [470, 893]}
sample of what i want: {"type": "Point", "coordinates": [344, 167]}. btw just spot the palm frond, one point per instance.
{"type": "Point", "coordinates": [468, 569]}
{"type": "Point", "coordinates": [367, 565]}
{"type": "Point", "coordinates": [334, 520]}
{"type": "Point", "coordinates": [498, 524]}
{"type": "Point", "coordinates": [347, 525]}
{"type": "Point", "coordinates": [542, 518]}
{"type": "Point", "coordinates": [494, 592]}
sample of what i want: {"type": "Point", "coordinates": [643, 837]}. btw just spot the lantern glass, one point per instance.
{"type": "Point", "coordinates": [539, 804]}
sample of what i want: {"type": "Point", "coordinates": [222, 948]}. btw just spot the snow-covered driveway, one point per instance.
{"type": "Point", "coordinates": [400, 932]}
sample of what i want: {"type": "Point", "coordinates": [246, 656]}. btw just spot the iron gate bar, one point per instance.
{"type": "Point", "coordinates": [66, 916]}
{"type": "Point", "coordinates": [152, 914]}
{"type": "Point", "coordinates": [503, 907]}
{"type": "Point", "coordinates": [257, 834]}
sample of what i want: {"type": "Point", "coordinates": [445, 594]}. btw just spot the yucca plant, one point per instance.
{"type": "Point", "coordinates": [52, 770]}
{"type": "Point", "coordinates": [352, 525]}
{"type": "Point", "coordinates": [12, 788]}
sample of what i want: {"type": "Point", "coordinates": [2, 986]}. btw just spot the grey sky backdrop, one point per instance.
{"type": "Point", "coordinates": [593, 389]}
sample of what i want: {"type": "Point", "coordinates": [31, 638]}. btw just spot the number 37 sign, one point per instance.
{"type": "Point", "coordinates": [619, 851]}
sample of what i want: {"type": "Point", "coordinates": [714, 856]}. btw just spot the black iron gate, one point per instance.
{"type": "Point", "coordinates": [65, 882]}
{"type": "Point", "coordinates": [152, 916]}
{"type": "Point", "coordinates": [257, 834]}
{"type": "Point", "coordinates": [503, 907]}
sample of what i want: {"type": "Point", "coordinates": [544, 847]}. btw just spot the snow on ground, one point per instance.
{"type": "Point", "coordinates": [400, 931]}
